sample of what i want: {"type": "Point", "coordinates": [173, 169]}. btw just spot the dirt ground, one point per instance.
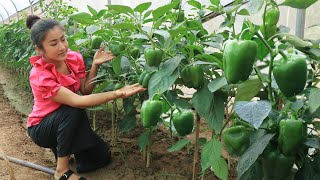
{"type": "Point", "coordinates": [127, 160]}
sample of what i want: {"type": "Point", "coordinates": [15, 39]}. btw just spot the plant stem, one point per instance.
{"type": "Point", "coordinates": [196, 151]}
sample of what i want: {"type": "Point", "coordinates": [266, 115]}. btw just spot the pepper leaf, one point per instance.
{"type": "Point", "coordinates": [249, 157]}
{"type": "Point", "coordinates": [142, 7]}
{"type": "Point", "coordinates": [210, 153]}
{"type": "Point", "coordinates": [165, 77]}
{"type": "Point", "coordinates": [220, 168]}
{"type": "Point", "coordinates": [299, 4]}
{"type": "Point", "coordinates": [313, 142]}
{"type": "Point", "coordinates": [296, 41]}
{"type": "Point", "coordinates": [121, 9]}
{"type": "Point", "coordinates": [253, 6]}
{"type": "Point", "coordinates": [254, 112]}
{"type": "Point", "coordinates": [247, 90]}
{"type": "Point", "coordinates": [143, 140]}
{"type": "Point", "coordinates": [209, 106]}
{"type": "Point", "coordinates": [217, 84]}
{"type": "Point", "coordinates": [83, 18]}
{"type": "Point", "coordinates": [313, 103]}
{"type": "Point", "coordinates": [179, 145]}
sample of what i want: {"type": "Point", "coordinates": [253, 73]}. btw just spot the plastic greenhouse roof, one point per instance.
{"type": "Point", "coordinates": [8, 7]}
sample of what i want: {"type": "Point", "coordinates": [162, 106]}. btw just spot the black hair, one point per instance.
{"type": "Point", "coordinates": [39, 28]}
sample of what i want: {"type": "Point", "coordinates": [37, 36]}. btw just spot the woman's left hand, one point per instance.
{"type": "Point", "coordinates": [102, 56]}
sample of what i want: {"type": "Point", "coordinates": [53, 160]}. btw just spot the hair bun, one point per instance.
{"type": "Point", "coordinates": [31, 19]}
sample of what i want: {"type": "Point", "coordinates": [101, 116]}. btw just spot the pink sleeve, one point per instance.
{"type": "Point", "coordinates": [44, 84]}
{"type": "Point", "coordinates": [82, 67]}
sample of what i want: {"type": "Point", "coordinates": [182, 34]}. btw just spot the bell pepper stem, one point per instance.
{"type": "Point", "coordinates": [270, 92]}
{"type": "Point", "coordinates": [285, 57]}
{"type": "Point", "coordinates": [265, 43]}
{"type": "Point", "coordinates": [243, 32]}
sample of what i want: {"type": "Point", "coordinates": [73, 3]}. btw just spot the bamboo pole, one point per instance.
{"type": "Point", "coordinates": [196, 151]}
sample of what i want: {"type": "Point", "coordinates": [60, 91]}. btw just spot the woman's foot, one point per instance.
{"type": "Point", "coordinates": [66, 175]}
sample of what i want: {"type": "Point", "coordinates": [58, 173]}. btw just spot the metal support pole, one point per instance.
{"type": "Point", "coordinates": [6, 11]}
{"type": "Point", "coordinates": [300, 22]}
{"type": "Point", "coordinates": [16, 9]}
{"type": "Point", "coordinates": [2, 19]}
{"type": "Point", "coordinates": [31, 6]}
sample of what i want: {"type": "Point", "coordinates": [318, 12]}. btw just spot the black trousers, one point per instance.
{"type": "Point", "coordinates": [67, 131]}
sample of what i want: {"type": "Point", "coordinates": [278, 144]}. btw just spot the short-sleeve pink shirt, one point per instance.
{"type": "Point", "coordinates": [45, 81]}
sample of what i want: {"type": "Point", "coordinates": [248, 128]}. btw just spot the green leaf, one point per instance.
{"type": "Point", "coordinates": [244, 12]}
{"type": "Point", "coordinates": [299, 4]}
{"type": "Point", "coordinates": [313, 142]}
{"type": "Point", "coordinates": [217, 84]}
{"type": "Point", "coordinates": [211, 152]}
{"type": "Point", "coordinates": [143, 140]}
{"type": "Point", "coordinates": [210, 107]}
{"type": "Point", "coordinates": [313, 103]}
{"type": "Point", "coordinates": [253, 152]}
{"type": "Point", "coordinates": [247, 90]}
{"type": "Point", "coordinates": [160, 11]}
{"type": "Point", "coordinates": [262, 50]}
{"type": "Point", "coordinates": [124, 26]}
{"type": "Point", "coordinates": [215, 2]}
{"type": "Point", "coordinates": [93, 11]}
{"type": "Point", "coordinates": [313, 53]}
{"type": "Point", "coordinates": [142, 7]}
{"type": "Point", "coordinates": [121, 9]}
{"type": "Point", "coordinates": [128, 123]}
{"type": "Point", "coordinates": [253, 173]}
{"type": "Point", "coordinates": [253, 6]}
{"type": "Point", "coordinates": [163, 79]}
{"type": "Point", "coordinates": [220, 168]}
{"type": "Point", "coordinates": [296, 41]}
{"type": "Point", "coordinates": [179, 145]}
{"type": "Point", "coordinates": [83, 18]}
{"type": "Point", "coordinates": [101, 13]}
{"type": "Point", "coordinates": [116, 65]}
{"type": "Point", "coordinates": [194, 3]}
{"type": "Point", "coordinates": [254, 112]}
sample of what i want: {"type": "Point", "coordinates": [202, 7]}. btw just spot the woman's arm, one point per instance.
{"type": "Point", "coordinates": [65, 96]}
{"type": "Point", "coordinates": [86, 86]}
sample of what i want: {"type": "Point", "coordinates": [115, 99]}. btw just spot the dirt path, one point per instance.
{"type": "Point", "coordinates": [14, 142]}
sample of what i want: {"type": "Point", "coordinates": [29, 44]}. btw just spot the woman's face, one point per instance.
{"type": "Point", "coordinates": [55, 46]}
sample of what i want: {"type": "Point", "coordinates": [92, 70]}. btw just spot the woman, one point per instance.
{"type": "Point", "coordinates": [58, 120]}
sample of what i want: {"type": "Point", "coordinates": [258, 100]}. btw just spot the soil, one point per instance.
{"type": "Point", "coordinates": [127, 163]}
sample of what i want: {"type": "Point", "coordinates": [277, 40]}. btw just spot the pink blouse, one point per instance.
{"type": "Point", "coordinates": [45, 81]}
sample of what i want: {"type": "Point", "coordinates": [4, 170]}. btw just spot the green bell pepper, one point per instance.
{"type": "Point", "coordinates": [183, 122]}
{"type": "Point", "coordinates": [153, 57]}
{"type": "Point", "coordinates": [291, 75]}
{"type": "Point", "coordinates": [150, 113]}
{"type": "Point", "coordinates": [116, 49]}
{"type": "Point", "coordinates": [96, 42]}
{"type": "Point", "coordinates": [275, 165]}
{"type": "Point", "coordinates": [272, 16]}
{"type": "Point", "coordinates": [179, 15]}
{"type": "Point", "coordinates": [236, 139]}
{"type": "Point", "coordinates": [135, 53]}
{"type": "Point", "coordinates": [192, 76]}
{"type": "Point", "coordinates": [292, 133]}
{"type": "Point", "coordinates": [238, 59]}
{"type": "Point", "coordinates": [145, 77]}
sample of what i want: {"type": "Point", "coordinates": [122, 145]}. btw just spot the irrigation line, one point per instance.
{"type": "Point", "coordinates": [30, 165]}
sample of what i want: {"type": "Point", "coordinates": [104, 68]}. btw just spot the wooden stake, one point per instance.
{"type": "Point", "coordinates": [196, 151]}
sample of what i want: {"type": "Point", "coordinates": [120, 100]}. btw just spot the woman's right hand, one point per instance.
{"type": "Point", "coordinates": [129, 90]}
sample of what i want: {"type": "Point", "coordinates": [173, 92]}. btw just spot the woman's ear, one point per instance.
{"type": "Point", "coordinates": [38, 49]}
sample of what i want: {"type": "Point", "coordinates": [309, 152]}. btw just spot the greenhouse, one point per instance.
{"type": "Point", "coordinates": [172, 89]}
